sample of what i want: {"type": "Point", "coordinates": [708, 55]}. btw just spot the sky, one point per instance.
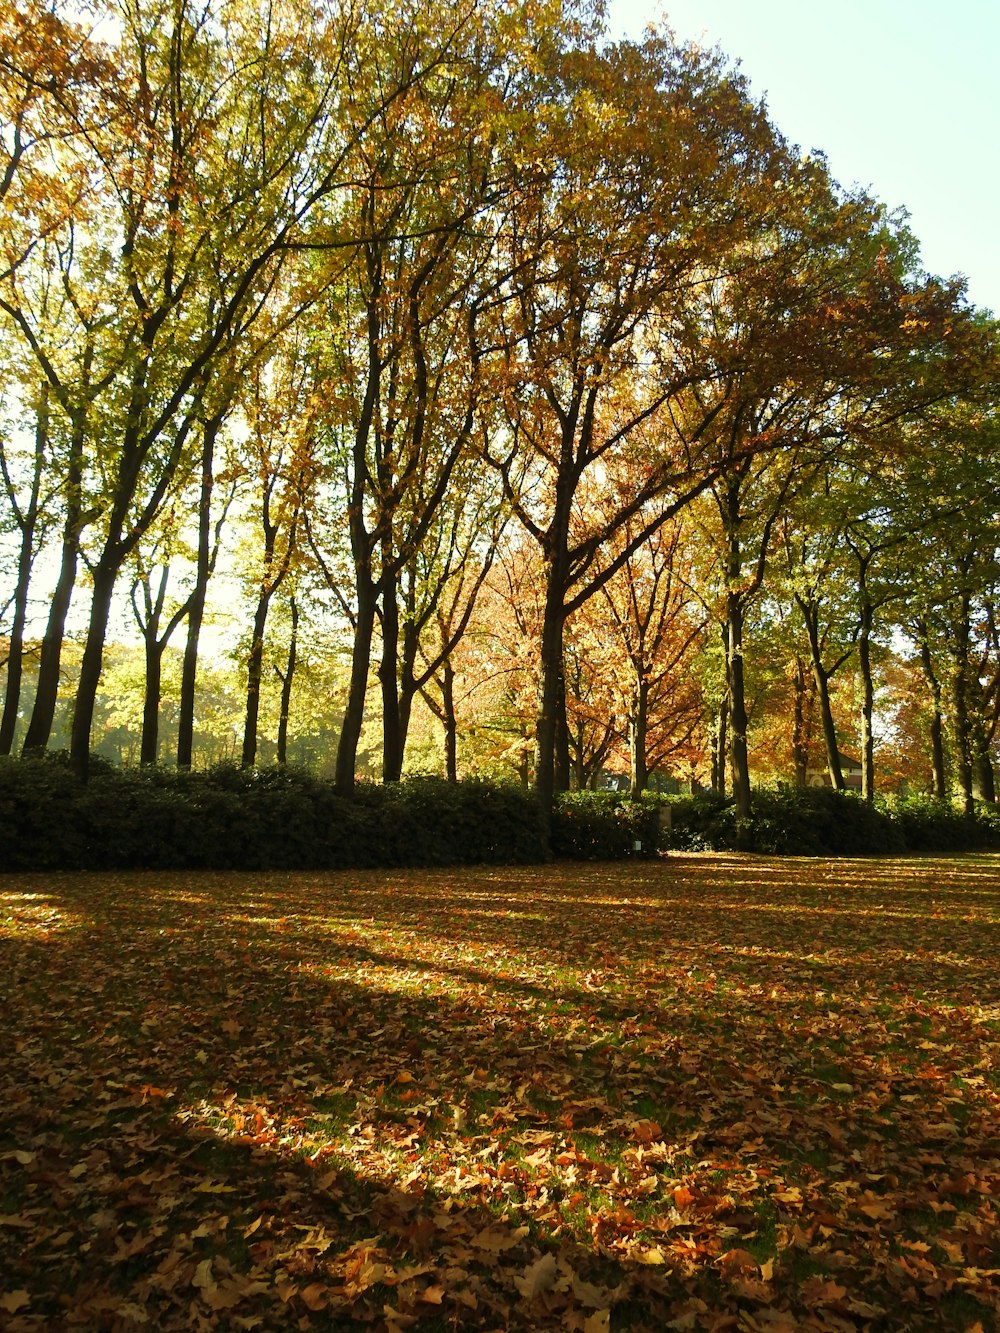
{"type": "Point", "coordinates": [902, 96]}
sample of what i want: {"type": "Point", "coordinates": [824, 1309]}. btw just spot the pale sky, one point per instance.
{"type": "Point", "coordinates": [903, 96]}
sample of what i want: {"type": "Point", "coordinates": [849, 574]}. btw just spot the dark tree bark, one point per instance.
{"type": "Point", "coordinates": [393, 736]}
{"type": "Point", "coordinates": [803, 696]}
{"type": "Point", "coordinates": [204, 567]}
{"type": "Point", "coordinates": [149, 625]}
{"type": "Point", "coordinates": [821, 676]}
{"type": "Point", "coordinates": [865, 626]}
{"type": "Point", "coordinates": [937, 721]}
{"type": "Point", "coordinates": [27, 520]}
{"type": "Point", "coordinates": [960, 655]}
{"type": "Point", "coordinates": [287, 677]}
{"type": "Point", "coordinates": [50, 660]}
{"type": "Point", "coordinates": [638, 735]}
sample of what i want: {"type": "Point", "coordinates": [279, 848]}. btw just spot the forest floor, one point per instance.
{"type": "Point", "coordinates": [710, 1092]}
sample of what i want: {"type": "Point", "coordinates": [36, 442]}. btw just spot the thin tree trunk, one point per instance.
{"type": "Point", "coordinates": [28, 522]}
{"type": "Point", "coordinates": [562, 759]}
{"type": "Point", "coordinates": [150, 628]}
{"type": "Point", "coordinates": [549, 697]}
{"type": "Point", "coordinates": [638, 729]}
{"type": "Point", "coordinates": [47, 687]}
{"type": "Point", "coordinates": [867, 703]}
{"type": "Point", "coordinates": [450, 723]}
{"type": "Point", "coordinates": [821, 676]}
{"type": "Point", "coordinates": [739, 754]}
{"type": "Point", "coordinates": [286, 684]}
{"type": "Point", "coordinates": [960, 702]}
{"type": "Point", "coordinates": [937, 724]}
{"type": "Point", "coordinates": [199, 595]}
{"type": "Point", "coordinates": [407, 684]}
{"type": "Point", "coordinates": [983, 788]}
{"type": "Point", "coordinates": [720, 748]}
{"type": "Point", "coordinates": [149, 750]}
{"type": "Point", "coordinates": [255, 666]}
{"type": "Point", "coordinates": [354, 709]}
{"type": "Point", "coordinates": [105, 577]}
{"type": "Point", "coordinates": [800, 733]}
{"type": "Point", "coordinates": [392, 740]}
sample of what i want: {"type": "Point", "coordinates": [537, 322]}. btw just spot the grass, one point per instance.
{"type": "Point", "coordinates": [710, 1092]}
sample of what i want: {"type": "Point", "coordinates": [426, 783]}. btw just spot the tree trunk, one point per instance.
{"type": "Point", "coordinates": [28, 523]}
{"type": "Point", "coordinates": [801, 729]}
{"type": "Point", "coordinates": [149, 751]}
{"type": "Point", "coordinates": [549, 696]}
{"type": "Point", "coordinates": [937, 725]}
{"type": "Point", "coordinates": [255, 667]}
{"type": "Point", "coordinates": [562, 759]}
{"type": "Point", "coordinates": [105, 577]}
{"type": "Point", "coordinates": [354, 709]}
{"type": "Point", "coordinates": [199, 594]}
{"type": "Point", "coordinates": [47, 687]}
{"type": "Point", "coordinates": [150, 629]}
{"type": "Point", "coordinates": [407, 682]}
{"type": "Point", "coordinates": [821, 676]}
{"type": "Point", "coordinates": [720, 748]}
{"type": "Point", "coordinates": [638, 728]}
{"type": "Point", "coordinates": [983, 787]}
{"type": "Point", "coordinates": [739, 754]}
{"type": "Point", "coordinates": [450, 723]}
{"type": "Point", "coordinates": [392, 739]}
{"type": "Point", "coordinates": [961, 635]}
{"type": "Point", "coordinates": [286, 684]}
{"type": "Point", "coordinates": [867, 703]}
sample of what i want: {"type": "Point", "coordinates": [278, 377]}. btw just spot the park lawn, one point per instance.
{"type": "Point", "coordinates": [709, 1092]}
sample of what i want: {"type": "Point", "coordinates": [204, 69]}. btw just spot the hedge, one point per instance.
{"type": "Point", "coordinates": [252, 819]}
{"type": "Point", "coordinates": [289, 819]}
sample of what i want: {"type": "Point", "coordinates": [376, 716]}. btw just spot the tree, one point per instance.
{"type": "Point", "coordinates": [280, 407]}
{"type": "Point", "coordinates": [645, 171]}
{"type": "Point", "coordinates": [651, 629]}
{"type": "Point", "coordinates": [221, 140]}
{"type": "Point", "coordinates": [401, 350]}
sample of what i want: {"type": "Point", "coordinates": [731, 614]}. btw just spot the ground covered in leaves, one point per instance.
{"type": "Point", "coordinates": [713, 1092]}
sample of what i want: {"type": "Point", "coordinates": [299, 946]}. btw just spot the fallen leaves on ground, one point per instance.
{"type": "Point", "coordinates": [713, 1092]}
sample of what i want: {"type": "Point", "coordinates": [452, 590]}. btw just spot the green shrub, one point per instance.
{"type": "Point", "coordinates": [931, 825]}
{"type": "Point", "coordinates": [283, 818]}
{"type": "Point", "coordinates": [603, 826]}
{"type": "Point", "coordinates": [252, 819]}
{"type": "Point", "coordinates": [702, 822]}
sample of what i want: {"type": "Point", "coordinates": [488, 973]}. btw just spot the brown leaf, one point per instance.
{"type": "Point", "coordinates": [538, 1277]}
{"type": "Point", "coordinates": [822, 1291]}
{"type": "Point", "coordinates": [314, 1296]}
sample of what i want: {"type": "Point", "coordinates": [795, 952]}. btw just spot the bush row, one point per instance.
{"type": "Point", "coordinates": [234, 819]}
{"type": "Point", "coordinates": [280, 818]}
{"type": "Point", "coordinates": [817, 821]}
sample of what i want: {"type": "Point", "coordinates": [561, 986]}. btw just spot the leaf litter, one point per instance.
{"type": "Point", "coordinates": [713, 1092]}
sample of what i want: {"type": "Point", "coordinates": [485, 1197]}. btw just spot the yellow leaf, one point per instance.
{"type": "Point", "coordinates": [598, 1322]}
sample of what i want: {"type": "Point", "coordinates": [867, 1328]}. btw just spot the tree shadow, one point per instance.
{"type": "Point", "coordinates": [186, 1050]}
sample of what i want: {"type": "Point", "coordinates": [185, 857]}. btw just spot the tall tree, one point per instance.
{"type": "Point", "coordinates": [222, 139]}
{"type": "Point", "coordinates": [646, 170]}
{"type": "Point", "coordinates": [402, 354]}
